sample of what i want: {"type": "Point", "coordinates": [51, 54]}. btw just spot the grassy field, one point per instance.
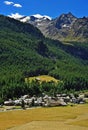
{"type": "Point", "coordinates": [42, 78]}
{"type": "Point", "coordinates": [54, 118]}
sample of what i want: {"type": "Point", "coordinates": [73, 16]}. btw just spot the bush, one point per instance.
{"type": "Point", "coordinates": [86, 95]}
{"type": "Point", "coordinates": [1, 101]}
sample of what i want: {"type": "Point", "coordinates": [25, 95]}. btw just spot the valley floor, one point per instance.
{"type": "Point", "coordinates": [48, 125]}
{"type": "Point", "coordinates": [54, 118]}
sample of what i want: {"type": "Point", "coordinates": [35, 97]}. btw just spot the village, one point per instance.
{"type": "Point", "coordinates": [26, 101]}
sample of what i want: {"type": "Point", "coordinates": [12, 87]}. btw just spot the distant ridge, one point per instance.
{"type": "Point", "coordinates": [65, 27]}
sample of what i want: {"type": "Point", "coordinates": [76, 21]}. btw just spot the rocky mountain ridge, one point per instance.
{"type": "Point", "coordinates": [65, 27]}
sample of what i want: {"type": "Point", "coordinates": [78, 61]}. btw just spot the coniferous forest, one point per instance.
{"type": "Point", "coordinates": [25, 52]}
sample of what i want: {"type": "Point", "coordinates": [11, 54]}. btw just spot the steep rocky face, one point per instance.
{"type": "Point", "coordinates": [60, 27]}
{"type": "Point", "coordinates": [65, 21]}
{"type": "Point", "coordinates": [80, 27]}
{"type": "Point", "coordinates": [65, 27]}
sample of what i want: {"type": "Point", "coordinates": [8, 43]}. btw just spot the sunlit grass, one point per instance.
{"type": "Point", "coordinates": [42, 78]}
{"type": "Point", "coordinates": [18, 117]}
{"type": "Point", "coordinates": [81, 123]}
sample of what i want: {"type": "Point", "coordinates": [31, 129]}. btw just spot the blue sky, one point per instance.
{"type": "Point", "coordinates": [52, 8]}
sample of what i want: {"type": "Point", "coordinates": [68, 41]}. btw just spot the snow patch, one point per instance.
{"type": "Point", "coordinates": [16, 16]}
{"type": "Point", "coordinates": [25, 19]}
{"type": "Point", "coordinates": [42, 16]}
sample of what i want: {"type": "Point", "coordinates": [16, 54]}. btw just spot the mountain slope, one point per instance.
{"type": "Point", "coordinates": [25, 52]}
{"type": "Point", "coordinates": [80, 27]}
{"type": "Point", "coordinates": [21, 42]}
{"type": "Point", "coordinates": [65, 27]}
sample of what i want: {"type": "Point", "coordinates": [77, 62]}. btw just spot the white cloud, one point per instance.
{"type": "Point", "coordinates": [8, 2]}
{"type": "Point", "coordinates": [17, 5]}
{"type": "Point", "coordinates": [13, 4]}
{"type": "Point", "coordinates": [16, 15]}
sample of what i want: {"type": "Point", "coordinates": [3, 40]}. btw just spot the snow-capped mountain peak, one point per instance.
{"type": "Point", "coordinates": [36, 17]}
{"type": "Point", "coordinates": [25, 19]}
{"type": "Point", "coordinates": [42, 16]}
{"type": "Point", "coordinates": [15, 16]}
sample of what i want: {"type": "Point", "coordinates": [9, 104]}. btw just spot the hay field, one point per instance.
{"type": "Point", "coordinates": [54, 118]}
{"type": "Point", "coordinates": [42, 78]}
